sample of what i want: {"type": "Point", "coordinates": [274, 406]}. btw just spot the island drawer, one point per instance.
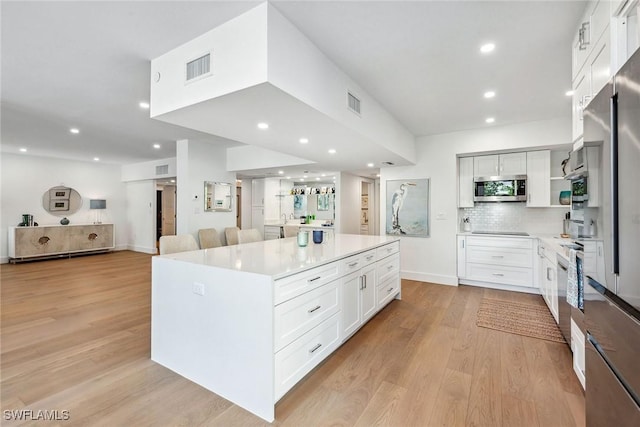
{"type": "Point", "coordinates": [519, 276]}
{"type": "Point", "coordinates": [513, 257]}
{"type": "Point", "coordinates": [297, 284]}
{"type": "Point", "coordinates": [387, 290]}
{"type": "Point", "coordinates": [298, 358]}
{"type": "Point", "coordinates": [389, 266]}
{"type": "Point", "coordinates": [356, 262]}
{"type": "Point", "coordinates": [297, 316]}
{"type": "Point", "coordinates": [388, 249]}
{"type": "Point", "coordinates": [500, 242]}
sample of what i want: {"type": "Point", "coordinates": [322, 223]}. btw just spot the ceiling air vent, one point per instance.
{"type": "Point", "coordinates": [199, 67]}
{"type": "Point", "coordinates": [387, 163]}
{"type": "Point", "coordinates": [162, 170]}
{"type": "Point", "coordinates": [353, 103]}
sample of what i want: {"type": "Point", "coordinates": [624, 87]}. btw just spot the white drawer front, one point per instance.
{"type": "Point", "coordinates": [388, 249]}
{"type": "Point", "coordinates": [368, 257]}
{"type": "Point", "coordinates": [351, 264]}
{"type": "Point", "coordinates": [388, 267]}
{"type": "Point", "coordinates": [500, 274]}
{"type": "Point", "coordinates": [387, 291]}
{"type": "Point", "coordinates": [292, 286]}
{"type": "Point", "coordinates": [298, 358]}
{"type": "Point", "coordinates": [498, 256]}
{"type": "Point", "coordinates": [500, 242]}
{"type": "Point", "coordinates": [301, 314]}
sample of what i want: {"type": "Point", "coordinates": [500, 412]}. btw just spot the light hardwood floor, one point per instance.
{"type": "Point", "coordinates": [76, 336]}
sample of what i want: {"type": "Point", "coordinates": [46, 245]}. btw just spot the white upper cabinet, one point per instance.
{"type": "Point", "coordinates": [538, 178]}
{"type": "Point", "coordinates": [465, 182]}
{"type": "Point", "coordinates": [500, 164]}
{"type": "Point", "coordinates": [591, 58]}
{"type": "Point", "coordinates": [257, 192]}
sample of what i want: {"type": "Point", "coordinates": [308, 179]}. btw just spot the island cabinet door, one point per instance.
{"type": "Point", "coordinates": [368, 292]}
{"type": "Point", "coordinates": [351, 318]}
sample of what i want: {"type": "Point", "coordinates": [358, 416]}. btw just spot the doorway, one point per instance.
{"type": "Point", "coordinates": [367, 208]}
{"type": "Point", "coordinates": [165, 210]}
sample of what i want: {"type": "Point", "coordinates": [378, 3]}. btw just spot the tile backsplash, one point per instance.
{"type": "Point", "coordinates": [513, 217]}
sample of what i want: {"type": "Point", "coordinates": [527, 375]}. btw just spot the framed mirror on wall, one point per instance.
{"type": "Point", "coordinates": [217, 196]}
{"type": "Point", "coordinates": [61, 201]}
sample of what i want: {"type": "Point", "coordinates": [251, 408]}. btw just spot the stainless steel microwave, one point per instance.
{"type": "Point", "coordinates": [500, 189]}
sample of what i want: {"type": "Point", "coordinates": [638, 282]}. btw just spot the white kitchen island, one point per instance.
{"type": "Point", "coordinates": [249, 321]}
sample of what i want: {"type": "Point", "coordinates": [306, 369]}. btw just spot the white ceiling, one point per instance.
{"type": "Point", "coordinates": [86, 65]}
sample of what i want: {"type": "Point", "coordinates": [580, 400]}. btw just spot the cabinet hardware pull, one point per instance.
{"type": "Point", "coordinates": [548, 271]}
{"type": "Point", "coordinates": [364, 279]}
{"type": "Point", "coordinates": [314, 279]}
{"type": "Point", "coordinates": [317, 346]}
{"type": "Point", "coordinates": [497, 256]}
{"type": "Point", "coordinates": [360, 286]}
{"type": "Point", "coordinates": [353, 264]}
{"type": "Point", "coordinates": [389, 290]}
{"type": "Point", "coordinates": [389, 267]}
{"type": "Point", "coordinates": [314, 309]}
{"type": "Point", "coordinates": [498, 274]}
{"type": "Point", "coordinates": [369, 257]}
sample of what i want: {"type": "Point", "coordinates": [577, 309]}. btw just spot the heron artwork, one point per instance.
{"type": "Point", "coordinates": [407, 207]}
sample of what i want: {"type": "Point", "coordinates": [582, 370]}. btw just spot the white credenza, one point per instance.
{"type": "Point", "coordinates": [58, 240]}
{"type": "Point", "coordinates": [249, 321]}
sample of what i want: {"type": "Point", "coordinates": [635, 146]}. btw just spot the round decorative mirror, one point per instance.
{"type": "Point", "coordinates": [61, 201]}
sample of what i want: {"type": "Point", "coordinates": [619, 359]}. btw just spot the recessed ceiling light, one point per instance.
{"type": "Point", "coordinates": [305, 176]}
{"type": "Point", "coordinates": [23, 150]}
{"type": "Point", "coordinates": [378, 175]}
{"type": "Point", "coordinates": [156, 146]}
{"type": "Point", "coordinates": [173, 180]}
{"type": "Point", "coordinates": [487, 47]}
{"type": "Point", "coordinates": [144, 105]}
{"type": "Point", "coordinates": [490, 120]}
{"type": "Point", "coordinates": [332, 151]}
{"type": "Point", "coordinates": [96, 159]}
{"type": "Point", "coordinates": [263, 125]}
{"type": "Point", "coordinates": [74, 130]}
{"type": "Point", "coordinates": [489, 94]}
{"type": "Point", "coordinates": [301, 179]}
{"type": "Point", "coordinates": [280, 172]}
{"type": "Point", "coordinates": [317, 178]}
{"type": "Point", "coordinates": [569, 93]}
{"type": "Point", "coordinates": [370, 165]}
{"type": "Point", "coordinates": [324, 174]}
{"type": "Point", "coordinates": [288, 177]}
{"type": "Point", "coordinates": [304, 140]}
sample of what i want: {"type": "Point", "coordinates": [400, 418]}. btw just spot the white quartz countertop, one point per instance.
{"type": "Point", "coordinates": [280, 257]}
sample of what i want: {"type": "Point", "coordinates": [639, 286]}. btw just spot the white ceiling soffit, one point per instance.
{"type": "Point", "coordinates": [248, 157]}
{"type": "Point", "coordinates": [273, 74]}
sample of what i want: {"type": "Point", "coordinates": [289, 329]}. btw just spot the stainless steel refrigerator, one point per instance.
{"type": "Point", "coordinates": [612, 299]}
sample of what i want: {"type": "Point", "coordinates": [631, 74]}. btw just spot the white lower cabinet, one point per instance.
{"type": "Point", "coordinates": [577, 346]}
{"type": "Point", "coordinates": [316, 310]}
{"type": "Point", "coordinates": [358, 296]}
{"type": "Point", "coordinates": [496, 260]}
{"type": "Point", "coordinates": [301, 356]}
{"type": "Point", "coordinates": [548, 278]}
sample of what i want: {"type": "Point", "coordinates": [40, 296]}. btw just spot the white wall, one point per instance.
{"type": "Point", "coordinates": [433, 259]}
{"type": "Point", "coordinates": [299, 68]}
{"type": "Point", "coordinates": [147, 170]}
{"type": "Point", "coordinates": [245, 215]}
{"type": "Point", "coordinates": [348, 207]}
{"type": "Point", "coordinates": [141, 212]}
{"type": "Point", "coordinates": [25, 179]}
{"type": "Point", "coordinates": [248, 157]}
{"type": "Point", "coordinates": [198, 162]}
{"type": "Point", "coordinates": [238, 60]}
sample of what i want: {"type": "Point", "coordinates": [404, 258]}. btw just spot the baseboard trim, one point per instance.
{"type": "Point", "coordinates": [431, 278]}
{"type": "Point", "coordinates": [143, 249]}
{"type": "Point", "coordinates": [4, 260]}
{"type": "Point", "coordinates": [523, 289]}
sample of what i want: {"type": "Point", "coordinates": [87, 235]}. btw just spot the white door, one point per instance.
{"type": "Point", "coordinates": [485, 165]}
{"type": "Point", "coordinates": [538, 178]}
{"type": "Point", "coordinates": [513, 164]}
{"type": "Point", "coordinates": [169, 210]}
